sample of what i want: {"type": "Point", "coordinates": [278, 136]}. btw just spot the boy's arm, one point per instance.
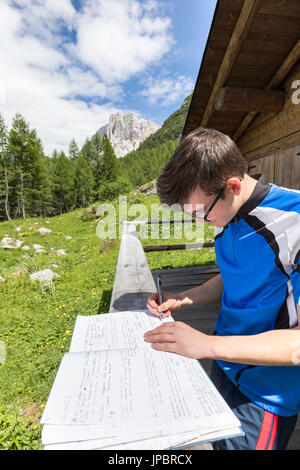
{"type": "Point", "coordinates": [210, 291]}
{"type": "Point", "coordinates": [272, 348]}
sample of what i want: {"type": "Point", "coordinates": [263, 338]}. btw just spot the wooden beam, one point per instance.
{"type": "Point", "coordinates": [249, 99]}
{"type": "Point", "coordinates": [279, 76]}
{"type": "Point", "coordinates": [134, 282]}
{"type": "Point", "coordinates": [192, 246]}
{"type": "Point", "coordinates": [239, 34]}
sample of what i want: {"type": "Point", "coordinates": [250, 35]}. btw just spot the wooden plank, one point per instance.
{"type": "Point", "coordinates": [208, 268]}
{"type": "Point", "coordinates": [241, 29]}
{"type": "Point", "coordinates": [268, 7]}
{"type": "Point", "coordinates": [287, 168]}
{"type": "Point", "coordinates": [281, 7]}
{"type": "Point", "coordinates": [187, 246]}
{"type": "Point", "coordinates": [281, 73]}
{"type": "Point", "coordinates": [286, 142]}
{"type": "Point", "coordinates": [257, 42]}
{"type": "Point", "coordinates": [282, 125]}
{"type": "Point", "coordinates": [283, 168]}
{"type": "Point", "coordinates": [286, 66]}
{"type": "Point", "coordinates": [265, 166]}
{"type": "Point", "coordinates": [295, 179]}
{"type": "Point", "coordinates": [249, 99]}
{"type": "Point", "coordinates": [288, 26]}
{"type": "Point", "coordinates": [133, 280]}
{"type": "Point", "coordinates": [261, 118]}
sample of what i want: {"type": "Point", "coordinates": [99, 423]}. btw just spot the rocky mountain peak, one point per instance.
{"type": "Point", "coordinates": [126, 132]}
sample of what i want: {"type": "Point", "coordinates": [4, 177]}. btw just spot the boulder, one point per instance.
{"type": "Point", "coordinates": [44, 230]}
{"type": "Point", "coordinates": [10, 243]}
{"type": "Point", "coordinates": [37, 247]}
{"type": "Point", "coordinates": [46, 275]}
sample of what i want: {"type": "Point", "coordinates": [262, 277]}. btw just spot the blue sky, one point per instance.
{"type": "Point", "coordinates": [69, 64]}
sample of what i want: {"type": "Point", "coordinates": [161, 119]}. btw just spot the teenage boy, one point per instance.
{"type": "Point", "coordinates": [255, 346]}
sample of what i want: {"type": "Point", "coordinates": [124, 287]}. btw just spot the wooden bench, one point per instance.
{"type": "Point", "coordinates": [134, 282]}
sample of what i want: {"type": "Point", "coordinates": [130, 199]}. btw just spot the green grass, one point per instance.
{"type": "Point", "coordinates": [36, 322]}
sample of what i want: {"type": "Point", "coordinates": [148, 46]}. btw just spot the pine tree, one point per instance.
{"type": "Point", "coordinates": [4, 164]}
{"type": "Point", "coordinates": [73, 150]}
{"type": "Point", "coordinates": [63, 184]}
{"type": "Point", "coordinates": [83, 182]}
{"type": "Point", "coordinates": [17, 148]}
{"type": "Point", "coordinates": [40, 190]}
{"type": "Point", "coordinates": [111, 168]}
{"type": "Point", "coordinates": [95, 154]}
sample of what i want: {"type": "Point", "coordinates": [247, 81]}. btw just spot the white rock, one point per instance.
{"type": "Point", "coordinates": [47, 222]}
{"type": "Point", "coordinates": [36, 246]}
{"type": "Point", "coordinates": [2, 279]}
{"type": "Point", "coordinates": [44, 230]}
{"type": "Point", "coordinates": [126, 132]}
{"type": "Point", "coordinates": [68, 238]}
{"type": "Point", "coordinates": [26, 247]}
{"type": "Point", "coordinates": [18, 229]}
{"type": "Point", "coordinates": [8, 243]}
{"type": "Point", "coordinates": [40, 250]}
{"type": "Point", "coordinates": [54, 265]}
{"type": "Point", "coordinates": [44, 276]}
{"type": "Point", "coordinates": [61, 252]}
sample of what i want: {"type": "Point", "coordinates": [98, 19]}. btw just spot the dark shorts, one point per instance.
{"type": "Point", "coordinates": [263, 430]}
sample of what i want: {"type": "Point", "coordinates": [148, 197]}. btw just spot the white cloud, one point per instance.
{"type": "Point", "coordinates": [121, 38]}
{"type": "Point", "coordinates": [45, 73]}
{"type": "Point", "coordinates": [167, 91]}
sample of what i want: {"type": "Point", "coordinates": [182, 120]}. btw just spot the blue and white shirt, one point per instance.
{"type": "Point", "coordinates": [258, 254]}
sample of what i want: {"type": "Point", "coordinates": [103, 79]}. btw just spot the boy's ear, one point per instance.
{"type": "Point", "coordinates": [234, 184]}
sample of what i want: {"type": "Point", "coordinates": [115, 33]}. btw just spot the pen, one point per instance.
{"type": "Point", "coordinates": [158, 281]}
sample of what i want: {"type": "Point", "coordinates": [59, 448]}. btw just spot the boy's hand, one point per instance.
{"type": "Point", "coordinates": [170, 303]}
{"type": "Point", "coordinates": [180, 338]}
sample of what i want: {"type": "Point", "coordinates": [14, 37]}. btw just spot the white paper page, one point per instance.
{"type": "Point", "coordinates": [52, 434]}
{"type": "Point", "coordinates": [113, 331]}
{"type": "Point", "coordinates": [146, 441]}
{"type": "Point", "coordinates": [154, 443]}
{"type": "Point", "coordinates": [134, 388]}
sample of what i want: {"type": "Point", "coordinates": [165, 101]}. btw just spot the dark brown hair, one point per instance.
{"type": "Point", "coordinates": [205, 158]}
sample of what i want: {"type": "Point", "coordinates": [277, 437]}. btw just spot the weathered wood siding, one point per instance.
{"type": "Point", "coordinates": [272, 142]}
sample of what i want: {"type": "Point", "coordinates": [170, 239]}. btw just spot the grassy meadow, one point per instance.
{"type": "Point", "coordinates": [36, 320]}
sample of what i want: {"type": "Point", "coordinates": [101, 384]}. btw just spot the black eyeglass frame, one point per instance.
{"type": "Point", "coordinates": [205, 217]}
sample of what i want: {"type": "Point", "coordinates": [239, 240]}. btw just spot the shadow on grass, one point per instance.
{"type": "Point", "coordinates": [104, 303]}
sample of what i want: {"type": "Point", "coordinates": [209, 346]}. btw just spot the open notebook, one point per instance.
{"type": "Point", "coordinates": [113, 391]}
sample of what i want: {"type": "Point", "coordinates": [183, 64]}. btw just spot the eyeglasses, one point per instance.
{"type": "Point", "coordinates": [205, 216]}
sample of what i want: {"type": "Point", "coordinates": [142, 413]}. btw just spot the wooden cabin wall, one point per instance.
{"type": "Point", "coordinates": [282, 167]}
{"type": "Point", "coordinates": [272, 142]}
